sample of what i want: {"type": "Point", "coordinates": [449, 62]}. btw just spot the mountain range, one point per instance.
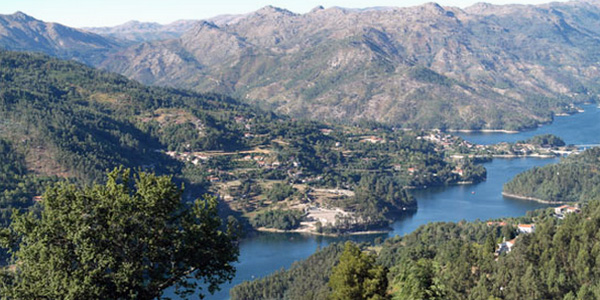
{"type": "Point", "coordinates": [21, 32]}
{"type": "Point", "coordinates": [482, 67]}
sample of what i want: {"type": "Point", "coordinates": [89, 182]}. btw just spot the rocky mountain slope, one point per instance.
{"type": "Point", "coordinates": [483, 67]}
{"type": "Point", "coordinates": [24, 33]}
{"type": "Point", "coordinates": [427, 66]}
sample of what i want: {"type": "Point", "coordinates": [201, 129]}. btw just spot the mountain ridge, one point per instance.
{"type": "Point", "coordinates": [483, 67]}
{"type": "Point", "coordinates": [21, 32]}
{"type": "Point", "coordinates": [385, 64]}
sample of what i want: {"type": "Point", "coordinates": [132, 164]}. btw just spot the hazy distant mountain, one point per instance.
{"type": "Point", "coordinates": [136, 31]}
{"type": "Point", "coordinates": [24, 33]}
{"type": "Point", "coordinates": [486, 66]}
{"type": "Point", "coordinates": [428, 66]}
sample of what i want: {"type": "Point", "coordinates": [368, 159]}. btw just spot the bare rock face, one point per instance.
{"type": "Point", "coordinates": [484, 67]}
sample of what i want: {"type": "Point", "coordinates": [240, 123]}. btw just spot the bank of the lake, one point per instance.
{"type": "Point", "coordinates": [577, 129]}
{"type": "Point", "coordinates": [515, 196]}
{"type": "Point", "coordinates": [309, 232]}
{"type": "Point", "coordinates": [269, 252]}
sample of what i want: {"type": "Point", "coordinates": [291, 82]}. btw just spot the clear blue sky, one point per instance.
{"type": "Point", "coordinates": [80, 13]}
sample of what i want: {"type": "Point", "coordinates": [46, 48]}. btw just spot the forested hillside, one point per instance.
{"type": "Point", "coordinates": [460, 261]}
{"type": "Point", "coordinates": [574, 179]}
{"type": "Point", "coordinates": [61, 119]}
{"type": "Point", "coordinates": [483, 67]}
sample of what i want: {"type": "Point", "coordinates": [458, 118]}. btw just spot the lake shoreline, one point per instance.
{"type": "Point", "coordinates": [507, 156]}
{"type": "Point", "coordinates": [484, 131]}
{"type": "Point", "coordinates": [310, 232]}
{"type": "Point", "coordinates": [520, 197]}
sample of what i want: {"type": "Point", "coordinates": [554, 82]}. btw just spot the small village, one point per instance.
{"type": "Point", "coordinates": [459, 148]}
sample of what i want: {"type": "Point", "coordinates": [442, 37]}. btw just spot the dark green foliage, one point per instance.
{"type": "Point", "coordinates": [279, 192]}
{"type": "Point", "coordinates": [574, 179]}
{"type": "Point", "coordinates": [86, 121]}
{"type": "Point", "coordinates": [89, 120]}
{"type": "Point", "coordinates": [357, 276]}
{"type": "Point", "coordinates": [122, 240]}
{"type": "Point", "coordinates": [278, 219]}
{"type": "Point", "coordinates": [546, 140]}
{"type": "Point", "coordinates": [305, 279]}
{"type": "Point", "coordinates": [556, 261]}
{"type": "Point", "coordinates": [437, 261]}
{"type": "Point", "coordinates": [427, 75]}
{"type": "Point", "coordinates": [377, 201]}
{"type": "Point", "coordinates": [17, 186]}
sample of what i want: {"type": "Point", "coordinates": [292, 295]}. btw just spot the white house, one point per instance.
{"type": "Point", "coordinates": [505, 246]}
{"type": "Point", "coordinates": [565, 209]}
{"type": "Point", "coordinates": [526, 228]}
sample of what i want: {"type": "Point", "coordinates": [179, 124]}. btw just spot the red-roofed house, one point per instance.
{"type": "Point", "coordinates": [506, 246]}
{"type": "Point", "coordinates": [526, 228]}
{"type": "Point", "coordinates": [565, 209]}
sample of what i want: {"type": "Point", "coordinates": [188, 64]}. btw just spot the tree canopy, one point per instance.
{"type": "Point", "coordinates": [130, 238]}
{"type": "Point", "coordinates": [357, 277]}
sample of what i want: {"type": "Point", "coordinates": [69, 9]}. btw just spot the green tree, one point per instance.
{"type": "Point", "coordinates": [357, 276]}
{"type": "Point", "coordinates": [418, 281]}
{"type": "Point", "coordinates": [118, 241]}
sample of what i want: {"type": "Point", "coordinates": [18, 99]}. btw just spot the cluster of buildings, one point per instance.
{"type": "Point", "coordinates": [561, 211]}
{"type": "Point", "coordinates": [506, 246]}
{"type": "Point", "coordinates": [194, 158]}
{"type": "Point", "coordinates": [448, 141]}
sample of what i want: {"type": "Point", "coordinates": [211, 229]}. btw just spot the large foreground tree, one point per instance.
{"type": "Point", "coordinates": [128, 239]}
{"type": "Point", "coordinates": [357, 276]}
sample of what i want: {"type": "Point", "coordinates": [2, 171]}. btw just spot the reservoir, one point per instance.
{"type": "Point", "coordinates": [269, 252]}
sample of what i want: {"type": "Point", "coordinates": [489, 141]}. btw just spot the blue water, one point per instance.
{"type": "Point", "coordinates": [470, 202]}
{"type": "Point", "coordinates": [266, 253]}
{"type": "Point", "coordinates": [581, 128]}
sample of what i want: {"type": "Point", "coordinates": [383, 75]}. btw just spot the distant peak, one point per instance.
{"type": "Point", "coordinates": [479, 7]}
{"type": "Point", "coordinates": [434, 7]}
{"type": "Point", "coordinates": [270, 9]}
{"type": "Point", "coordinates": [316, 9]}
{"type": "Point", "coordinates": [19, 15]}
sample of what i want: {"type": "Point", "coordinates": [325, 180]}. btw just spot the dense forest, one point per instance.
{"type": "Point", "coordinates": [574, 179]}
{"type": "Point", "coordinates": [547, 140]}
{"type": "Point", "coordinates": [60, 119]}
{"type": "Point", "coordinates": [130, 238]}
{"type": "Point", "coordinates": [460, 261]}
{"type": "Point", "coordinates": [18, 187]}
{"type": "Point", "coordinates": [63, 120]}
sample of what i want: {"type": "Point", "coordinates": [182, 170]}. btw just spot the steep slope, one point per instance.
{"type": "Point", "coordinates": [61, 119]}
{"type": "Point", "coordinates": [24, 33]}
{"type": "Point", "coordinates": [427, 66]}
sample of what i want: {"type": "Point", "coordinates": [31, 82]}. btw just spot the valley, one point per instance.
{"type": "Point", "coordinates": [420, 151]}
{"type": "Point", "coordinates": [484, 67]}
